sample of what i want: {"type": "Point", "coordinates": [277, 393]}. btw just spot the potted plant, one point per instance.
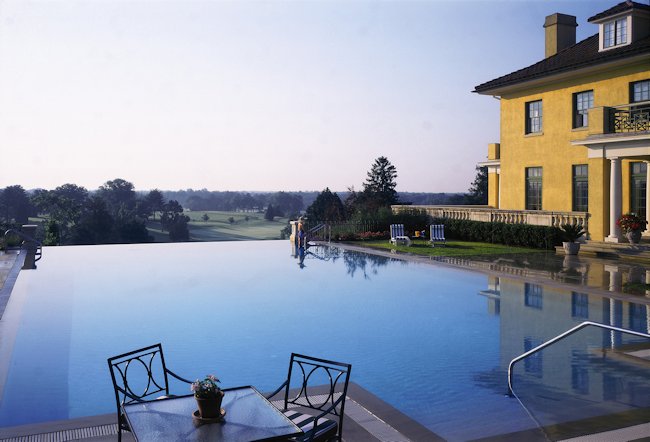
{"type": "Point", "coordinates": [208, 397]}
{"type": "Point", "coordinates": [632, 225]}
{"type": "Point", "coordinates": [571, 233]}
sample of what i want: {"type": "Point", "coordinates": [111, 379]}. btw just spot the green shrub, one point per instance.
{"type": "Point", "coordinates": [523, 235]}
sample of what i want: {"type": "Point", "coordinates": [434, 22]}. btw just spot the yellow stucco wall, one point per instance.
{"type": "Point", "coordinates": [552, 150]}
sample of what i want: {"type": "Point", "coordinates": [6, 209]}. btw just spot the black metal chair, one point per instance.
{"type": "Point", "coordinates": [301, 395]}
{"type": "Point", "coordinates": [139, 376]}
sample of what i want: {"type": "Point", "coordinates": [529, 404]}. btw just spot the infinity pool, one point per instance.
{"type": "Point", "coordinates": [421, 337]}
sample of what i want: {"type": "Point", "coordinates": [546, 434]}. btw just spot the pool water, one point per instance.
{"type": "Point", "coordinates": [421, 337]}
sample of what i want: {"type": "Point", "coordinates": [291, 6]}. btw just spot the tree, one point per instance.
{"type": "Point", "coordinates": [478, 190]}
{"type": "Point", "coordinates": [270, 213]}
{"type": "Point", "coordinates": [170, 212]}
{"type": "Point", "coordinates": [154, 202]}
{"type": "Point", "coordinates": [326, 207]}
{"type": "Point", "coordinates": [118, 194]}
{"type": "Point", "coordinates": [15, 206]}
{"type": "Point", "coordinates": [95, 224]}
{"type": "Point", "coordinates": [380, 183]}
{"type": "Point", "coordinates": [205, 217]}
{"type": "Point", "coordinates": [65, 206]}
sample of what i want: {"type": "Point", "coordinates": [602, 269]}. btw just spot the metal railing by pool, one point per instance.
{"type": "Point", "coordinates": [561, 337]}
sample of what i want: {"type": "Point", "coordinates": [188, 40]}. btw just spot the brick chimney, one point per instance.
{"type": "Point", "coordinates": [560, 32]}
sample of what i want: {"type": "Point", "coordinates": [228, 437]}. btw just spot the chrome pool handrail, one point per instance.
{"type": "Point", "coordinates": [562, 336]}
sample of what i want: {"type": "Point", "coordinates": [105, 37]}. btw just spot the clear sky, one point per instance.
{"type": "Point", "coordinates": [258, 95]}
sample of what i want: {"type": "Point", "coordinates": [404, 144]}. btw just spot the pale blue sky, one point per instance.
{"type": "Point", "coordinates": [264, 95]}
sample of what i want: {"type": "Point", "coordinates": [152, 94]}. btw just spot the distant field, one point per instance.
{"type": "Point", "coordinates": [246, 226]}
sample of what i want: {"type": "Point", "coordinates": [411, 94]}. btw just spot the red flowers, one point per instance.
{"type": "Point", "coordinates": [631, 223]}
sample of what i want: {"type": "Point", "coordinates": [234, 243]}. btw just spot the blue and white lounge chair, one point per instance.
{"type": "Point", "coordinates": [437, 234]}
{"type": "Point", "coordinates": [397, 235]}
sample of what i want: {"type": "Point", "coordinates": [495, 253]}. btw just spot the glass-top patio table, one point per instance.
{"type": "Point", "coordinates": [249, 417]}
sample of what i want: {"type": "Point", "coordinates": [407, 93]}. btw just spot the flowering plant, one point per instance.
{"type": "Point", "coordinates": [631, 223]}
{"type": "Point", "coordinates": [206, 388]}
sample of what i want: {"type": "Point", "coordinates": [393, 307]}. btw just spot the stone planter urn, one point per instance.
{"type": "Point", "coordinates": [634, 237]}
{"type": "Point", "coordinates": [571, 248]}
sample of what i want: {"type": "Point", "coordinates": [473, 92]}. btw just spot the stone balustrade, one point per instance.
{"type": "Point", "coordinates": [489, 214]}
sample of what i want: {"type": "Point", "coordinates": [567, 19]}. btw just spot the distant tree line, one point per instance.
{"type": "Point", "coordinates": [114, 213]}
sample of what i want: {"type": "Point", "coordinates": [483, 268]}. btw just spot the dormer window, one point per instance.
{"type": "Point", "coordinates": [615, 33]}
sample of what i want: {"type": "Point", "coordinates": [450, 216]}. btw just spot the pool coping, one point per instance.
{"type": "Point", "coordinates": [7, 287]}
{"type": "Point", "coordinates": [367, 418]}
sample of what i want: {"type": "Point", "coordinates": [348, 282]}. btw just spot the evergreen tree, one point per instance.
{"type": "Point", "coordinates": [478, 190]}
{"type": "Point", "coordinates": [326, 207]}
{"type": "Point", "coordinates": [380, 183]}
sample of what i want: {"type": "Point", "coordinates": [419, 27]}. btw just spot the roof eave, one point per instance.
{"type": "Point", "coordinates": [565, 74]}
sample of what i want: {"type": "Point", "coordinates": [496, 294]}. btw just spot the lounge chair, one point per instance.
{"type": "Point", "coordinates": [317, 411]}
{"type": "Point", "coordinates": [437, 234]}
{"type": "Point", "coordinates": [397, 235]}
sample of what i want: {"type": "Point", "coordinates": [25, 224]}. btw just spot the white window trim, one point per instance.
{"type": "Point", "coordinates": [601, 33]}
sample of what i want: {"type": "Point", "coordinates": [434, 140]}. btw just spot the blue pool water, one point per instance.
{"type": "Point", "coordinates": [421, 337]}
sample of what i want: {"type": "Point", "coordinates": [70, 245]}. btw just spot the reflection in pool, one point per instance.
{"type": "Point", "coordinates": [431, 340]}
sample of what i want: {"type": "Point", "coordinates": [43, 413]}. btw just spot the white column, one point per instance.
{"type": "Point", "coordinates": [615, 197]}
{"type": "Point", "coordinates": [647, 194]}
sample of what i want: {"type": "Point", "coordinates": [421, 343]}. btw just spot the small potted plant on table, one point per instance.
{"type": "Point", "coordinates": [208, 397]}
{"type": "Point", "coordinates": [571, 233]}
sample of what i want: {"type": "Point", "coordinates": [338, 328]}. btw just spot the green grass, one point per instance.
{"type": "Point", "coordinates": [452, 248]}
{"type": "Point", "coordinates": [245, 226]}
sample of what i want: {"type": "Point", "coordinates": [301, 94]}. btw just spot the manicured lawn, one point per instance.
{"type": "Point", "coordinates": [452, 248]}
{"type": "Point", "coordinates": [218, 227]}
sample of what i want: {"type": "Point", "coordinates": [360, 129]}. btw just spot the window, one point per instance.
{"type": "Point", "coordinates": [582, 102]}
{"type": "Point", "coordinates": [534, 117]}
{"type": "Point", "coordinates": [533, 188]}
{"type": "Point", "coordinates": [580, 188]}
{"type": "Point", "coordinates": [640, 91]}
{"type": "Point", "coordinates": [638, 317]}
{"type": "Point", "coordinates": [579, 373]}
{"type": "Point", "coordinates": [533, 296]}
{"type": "Point", "coordinates": [615, 33]}
{"type": "Point", "coordinates": [579, 305]}
{"type": "Point", "coordinates": [534, 363]}
{"type": "Point", "coordinates": [638, 184]}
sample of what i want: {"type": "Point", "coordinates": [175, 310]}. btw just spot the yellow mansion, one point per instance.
{"type": "Point", "coordinates": [575, 127]}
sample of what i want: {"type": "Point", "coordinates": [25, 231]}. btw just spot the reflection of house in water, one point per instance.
{"type": "Point", "coordinates": [590, 373]}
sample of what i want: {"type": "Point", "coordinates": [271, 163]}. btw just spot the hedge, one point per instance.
{"type": "Point", "coordinates": [523, 235]}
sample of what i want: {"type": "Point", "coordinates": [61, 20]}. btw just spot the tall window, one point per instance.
{"type": "Point", "coordinates": [580, 188]}
{"type": "Point", "coordinates": [638, 185]}
{"type": "Point", "coordinates": [582, 102]}
{"type": "Point", "coordinates": [640, 91]}
{"type": "Point", "coordinates": [534, 117]}
{"type": "Point", "coordinates": [615, 33]}
{"type": "Point", "coordinates": [533, 296]}
{"type": "Point", "coordinates": [534, 363]}
{"type": "Point", "coordinates": [533, 188]}
{"type": "Point", "coordinates": [579, 305]}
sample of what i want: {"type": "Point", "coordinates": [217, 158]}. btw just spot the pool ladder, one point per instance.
{"type": "Point", "coordinates": [562, 336]}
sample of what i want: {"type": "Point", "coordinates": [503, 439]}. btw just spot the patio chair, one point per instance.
{"type": "Point", "coordinates": [437, 234]}
{"type": "Point", "coordinates": [397, 235]}
{"type": "Point", "coordinates": [139, 376]}
{"type": "Point", "coordinates": [301, 398]}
